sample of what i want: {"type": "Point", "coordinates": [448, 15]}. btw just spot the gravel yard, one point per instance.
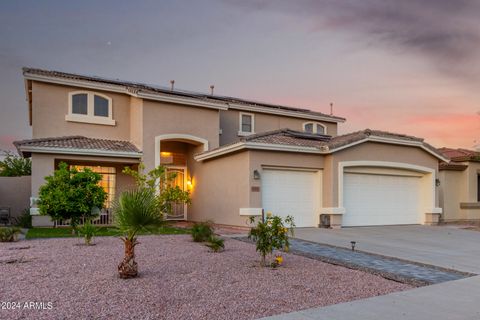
{"type": "Point", "coordinates": [179, 279]}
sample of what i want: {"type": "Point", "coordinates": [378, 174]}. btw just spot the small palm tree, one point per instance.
{"type": "Point", "coordinates": [135, 211]}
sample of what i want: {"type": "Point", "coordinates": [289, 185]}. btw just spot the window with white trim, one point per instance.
{"type": "Point", "coordinates": [89, 107]}
{"type": "Point", "coordinates": [315, 128]}
{"type": "Point", "coordinates": [246, 124]}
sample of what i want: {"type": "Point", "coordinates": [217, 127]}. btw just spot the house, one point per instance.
{"type": "Point", "coordinates": [459, 190]}
{"type": "Point", "coordinates": [236, 157]}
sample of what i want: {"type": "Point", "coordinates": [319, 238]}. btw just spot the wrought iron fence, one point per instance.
{"type": "Point", "coordinates": [104, 219]}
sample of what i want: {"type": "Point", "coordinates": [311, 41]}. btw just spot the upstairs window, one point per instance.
{"type": "Point", "coordinates": [90, 107]}
{"type": "Point", "coordinates": [247, 124]}
{"type": "Point", "coordinates": [314, 127]}
{"type": "Point", "coordinates": [478, 187]}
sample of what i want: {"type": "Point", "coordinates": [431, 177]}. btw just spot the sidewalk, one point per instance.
{"type": "Point", "coordinates": [453, 300]}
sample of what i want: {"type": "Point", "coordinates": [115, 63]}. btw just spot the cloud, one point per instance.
{"type": "Point", "coordinates": [446, 32]}
{"type": "Point", "coordinates": [447, 129]}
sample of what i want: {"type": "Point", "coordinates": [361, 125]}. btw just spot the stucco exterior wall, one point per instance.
{"type": "Point", "coordinates": [136, 122]}
{"type": "Point", "coordinates": [220, 188]}
{"type": "Point", "coordinates": [229, 123]}
{"type": "Point", "coordinates": [166, 118]}
{"type": "Point", "coordinates": [15, 194]}
{"type": "Point", "coordinates": [50, 106]}
{"type": "Point", "coordinates": [458, 192]}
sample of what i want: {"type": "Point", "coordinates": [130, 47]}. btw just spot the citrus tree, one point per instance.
{"type": "Point", "coordinates": [72, 195]}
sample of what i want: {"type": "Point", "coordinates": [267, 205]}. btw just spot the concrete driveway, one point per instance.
{"type": "Point", "coordinates": [444, 246]}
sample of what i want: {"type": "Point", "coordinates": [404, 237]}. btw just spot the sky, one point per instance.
{"type": "Point", "coordinates": [410, 66]}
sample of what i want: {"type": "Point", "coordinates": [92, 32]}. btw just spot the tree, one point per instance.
{"type": "Point", "coordinates": [71, 194]}
{"type": "Point", "coordinates": [143, 208]}
{"type": "Point", "coordinates": [15, 166]}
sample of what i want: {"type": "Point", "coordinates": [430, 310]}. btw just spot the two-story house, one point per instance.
{"type": "Point", "coordinates": [236, 157]}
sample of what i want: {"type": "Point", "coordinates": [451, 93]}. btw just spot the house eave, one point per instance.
{"type": "Point", "coordinates": [82, 152]}
{"type": "Point", "coordinates": [124, 90]}
{"type": "Point", "coordinates": [312, 150]}
{"type": "Point", "coordinates": [287, 113]}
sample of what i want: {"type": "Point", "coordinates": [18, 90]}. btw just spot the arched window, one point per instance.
{"type": "Point", "coordinates": [315, 128]}
{"type": "Point", "coordinates": [89, 107]}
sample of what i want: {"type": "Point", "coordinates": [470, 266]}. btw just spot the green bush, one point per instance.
{"type": "Point", "coordinates": [72, 195]}
{"type": "Point", "coordinates": [271, 234]}
{"type": "Point", "coordinates": [9, 234]}
{"type": "Point", "coordinates": [15, 166]}
{"type": "Point", "coordinates": [202, 231]}
{"type": "Point", "coordinates": [24, 220]}
{"type": "Point", "coordinates": [216, 244]}
{"type": "Point", "coordinates": [88, 231]}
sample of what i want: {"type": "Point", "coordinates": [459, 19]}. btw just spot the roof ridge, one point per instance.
{"type": "Point", "coordinates": [177, 92]}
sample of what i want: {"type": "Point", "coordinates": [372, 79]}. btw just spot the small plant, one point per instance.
{"type": "Point", "coordinates": [271, 234]}
{"type": "Point", "coordinates": [9, 234]}
{"type": "Point", "coordinates": [216, 244]}
{"type": "Point", "coordinates": [88, 231]}
{"type": "Point", "coordinates": [202, 231]}
{"type": "Point", "coordinates": [24, 220]}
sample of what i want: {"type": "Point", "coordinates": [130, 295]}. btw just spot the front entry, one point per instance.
{"type": "Point", "coordinates": [179, 210]}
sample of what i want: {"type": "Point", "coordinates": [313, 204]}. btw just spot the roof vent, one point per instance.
{"type": "Point", "coordinates": [172, 85]}
{"type": "Point", "coordinates": [211, 89]}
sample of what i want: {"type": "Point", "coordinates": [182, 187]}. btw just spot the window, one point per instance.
{"type": "Point", "coordinates": [107, 182]}
{"type": "Point", "coordinates": [90, 107]}
{"type": "Point", "coordinates": [79, 103]}
{"type": "Point", "coordinates": [478, 187]}
{"type": "Point", "coordinates": [315, 128]}
{"type": "Point", "coordinates": [247, 124]}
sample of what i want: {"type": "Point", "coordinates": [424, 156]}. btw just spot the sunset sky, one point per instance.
{"type": "Point", "coordinates": [410, 66]}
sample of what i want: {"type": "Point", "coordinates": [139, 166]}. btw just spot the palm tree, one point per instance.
{"type": "Point", "coordinates": [135, 211]}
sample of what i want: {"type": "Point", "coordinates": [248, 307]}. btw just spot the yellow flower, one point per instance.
{"type": "Point", "coordinates": [285, 230]}
{"type": "Point", "coordinates": [279, 260]}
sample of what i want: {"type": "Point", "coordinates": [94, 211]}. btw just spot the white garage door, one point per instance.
{"type": "Point", "coordinates": [381, 200]}
{"type": "Point", "coordinates": [295, 193]}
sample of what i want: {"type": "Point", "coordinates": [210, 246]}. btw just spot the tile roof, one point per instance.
{"type": "Point", "coordinates": [460, 155]}
{"type": "Point", "coordinates": [148, 88]}
{"type": "Point", "coordinates": [289, 137]}
{"type": "Point", "coordinates": [76, 143]}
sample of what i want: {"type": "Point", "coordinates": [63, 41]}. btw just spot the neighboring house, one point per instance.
{"type": "Point", "coordinates": [460, 185]}
{"type": "Point", "coordinates": [237, 157]}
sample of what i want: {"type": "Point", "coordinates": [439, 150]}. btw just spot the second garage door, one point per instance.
{"type": "Point", "coordinates": [372, 199]}
{"type": "Point", "coordinates": [295, 193]}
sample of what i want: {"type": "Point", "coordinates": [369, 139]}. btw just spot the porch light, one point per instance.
{"type": "Point", "coordinates": [165, 154]}
{"type": "Point", "coordinates": [189, 184]}
{"type": "Point", "coordinates": [256, 175]}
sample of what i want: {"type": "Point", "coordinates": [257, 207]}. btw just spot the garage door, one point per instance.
{"type": "Point", "coordinates": [372, 199]}
{"type": "Point", "coordinates": [295, 193]}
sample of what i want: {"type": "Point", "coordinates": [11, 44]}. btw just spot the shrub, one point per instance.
{"type": "Point", "coordinates": [71, 194]}
{"type": "Point", "coordinates": [216, 244]}
{"type": "Point", "coordinates": [202, 231]}
{"type": "Point", "coordinates": [9, 234]}
{"type": "Point", "coordinates": [24, 220]}
{"type": "Point", "coordinates": [271, 234]}
{"type": "Point", "coordinates": [88, 231]}
{"type": "Point", "coordinates": [15, 166]}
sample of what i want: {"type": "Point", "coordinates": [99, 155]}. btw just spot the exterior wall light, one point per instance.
{"type": "Point", "coordinates": [437, 182]}
{"type": "Point", "coordinates": [189, 184]}
{"type": "Point", "coordinates": [256, 175]}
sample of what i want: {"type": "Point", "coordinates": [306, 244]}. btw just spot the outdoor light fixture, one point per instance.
{"type": "Point", "coordinates": [189, 184]}
{"type": "Point", "coordinates": [353, 243]}
{"type": "Point", "coordinates": [437, 182]}
{"type": "Point", "coordinates": [256, 175]}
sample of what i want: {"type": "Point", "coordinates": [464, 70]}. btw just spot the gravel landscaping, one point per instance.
{"type": "Point", "coordinates": [179, 279]}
